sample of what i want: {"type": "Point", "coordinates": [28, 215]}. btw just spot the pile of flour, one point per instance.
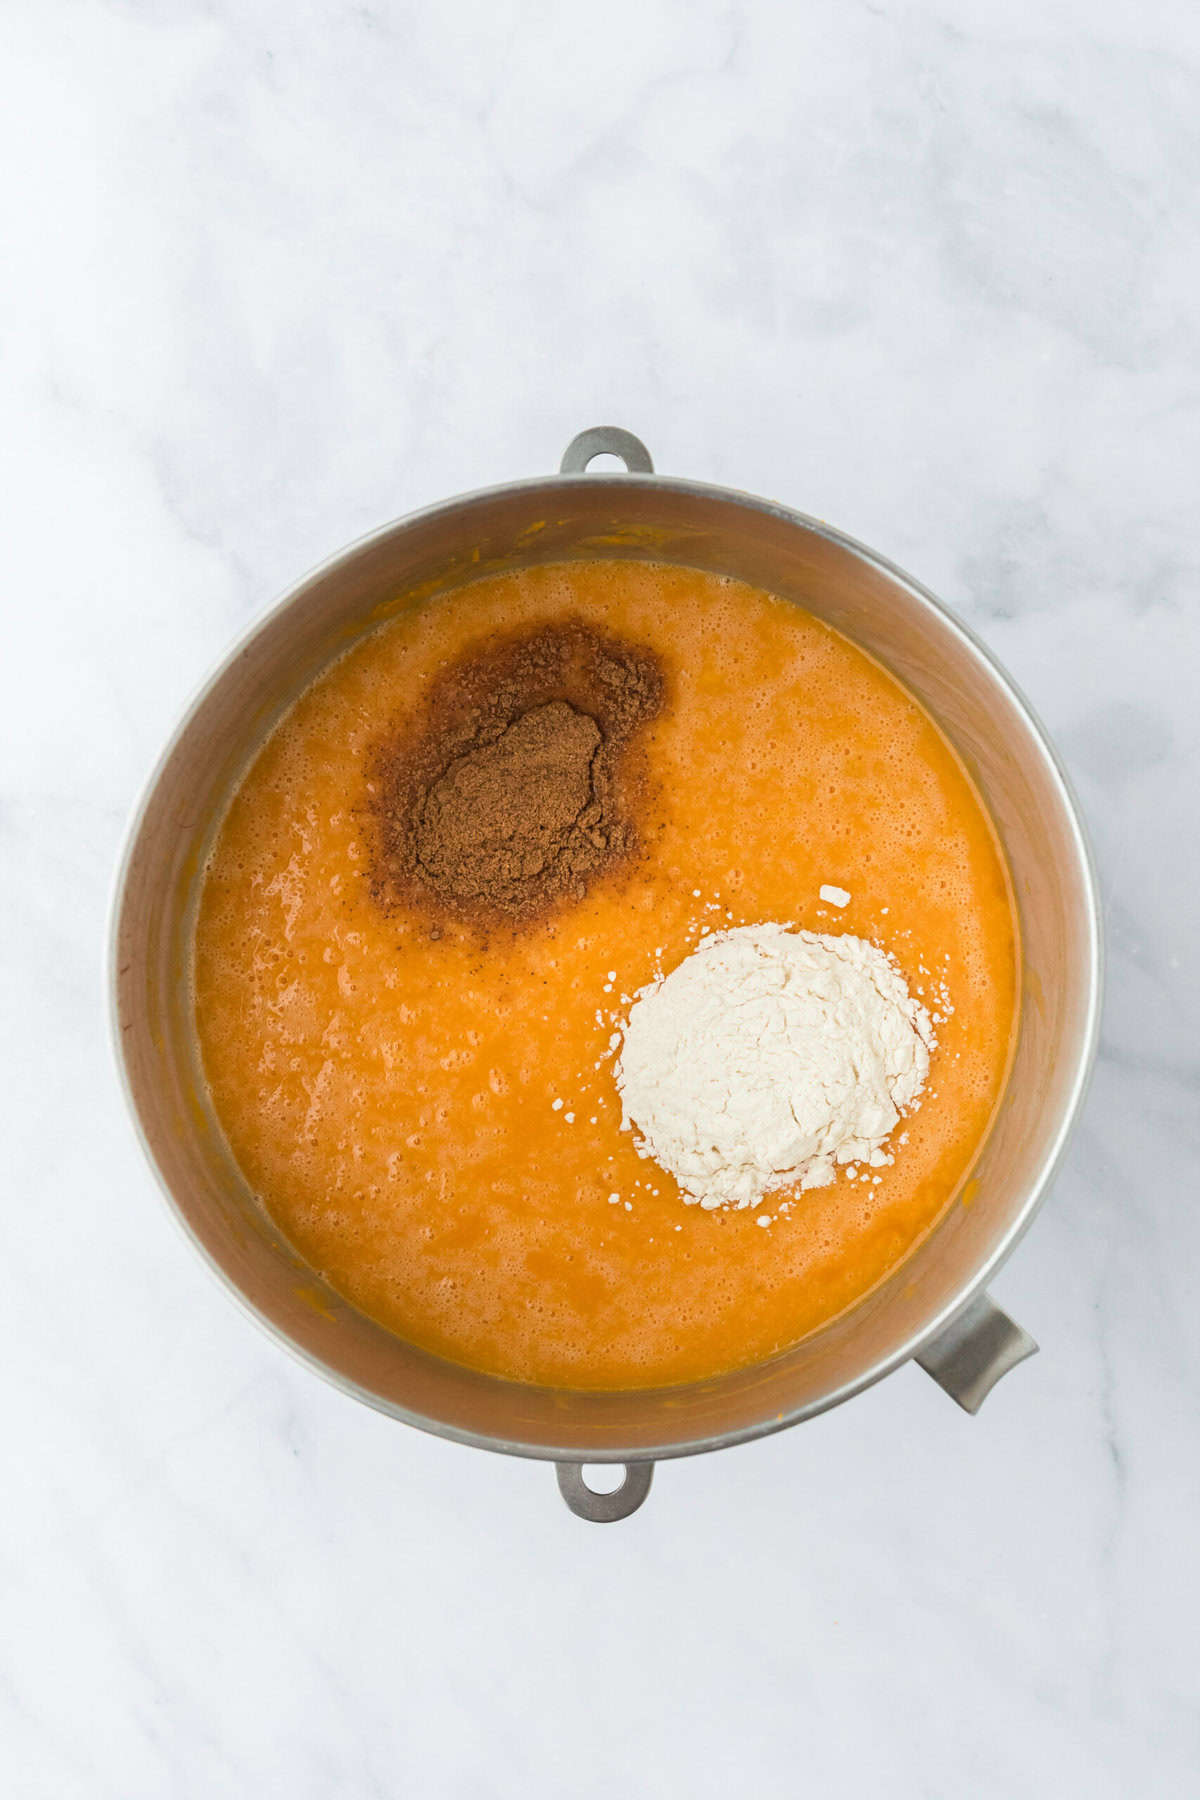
{"type": "Point", "coordinates": [768, 1057]}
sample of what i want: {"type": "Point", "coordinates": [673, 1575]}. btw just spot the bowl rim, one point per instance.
{"type": "Point", "coordinates": [1088, 1036]}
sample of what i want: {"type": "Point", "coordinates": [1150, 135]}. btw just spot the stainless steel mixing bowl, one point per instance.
{"type": "Point", "coordinates": [934, 1307]}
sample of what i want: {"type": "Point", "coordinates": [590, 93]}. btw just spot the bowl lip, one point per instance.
{"type": "Point", "coordinates": [1088, 1037]}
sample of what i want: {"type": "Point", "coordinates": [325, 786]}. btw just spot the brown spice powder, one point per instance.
{"type": "Point", "coordinates": [516, 786]}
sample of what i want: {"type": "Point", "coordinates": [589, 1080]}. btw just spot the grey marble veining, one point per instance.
{"type": "Point", "coordinates": [274, 274]}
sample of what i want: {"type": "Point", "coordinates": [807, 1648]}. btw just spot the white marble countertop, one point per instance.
{"type": "Point", "coordinates": [276, 273]}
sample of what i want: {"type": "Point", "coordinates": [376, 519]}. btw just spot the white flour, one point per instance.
{"type": "Point", "coordinates": [766, 1058]}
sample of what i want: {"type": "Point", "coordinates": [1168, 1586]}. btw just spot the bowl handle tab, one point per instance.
{"type": "Point", "coordinates": [606, 440]}
{"type": "Point", "coordinates": [968, 1358]}
{"type": "Point", "coordinates": [604, 1509]}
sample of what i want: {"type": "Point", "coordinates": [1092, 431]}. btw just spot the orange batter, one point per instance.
{"type": "Point", "coordinates": [390, 1093]}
